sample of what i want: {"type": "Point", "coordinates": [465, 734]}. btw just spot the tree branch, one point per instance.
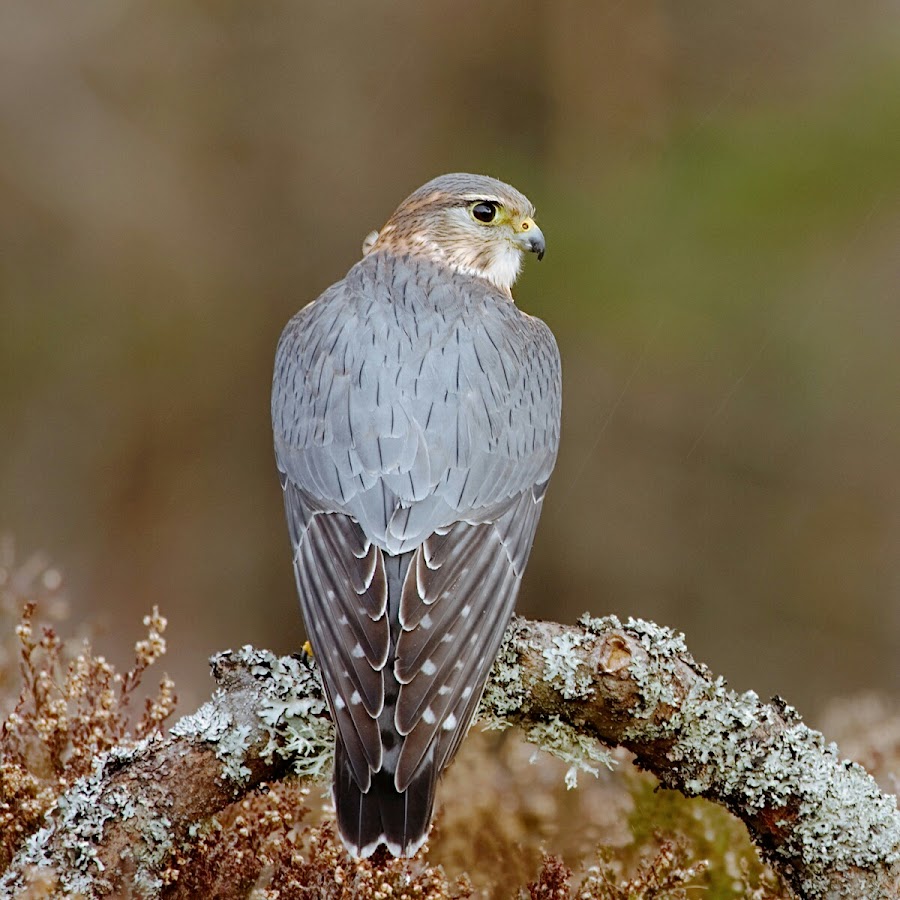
{"type": "Point", "coordinates": [820, 821]}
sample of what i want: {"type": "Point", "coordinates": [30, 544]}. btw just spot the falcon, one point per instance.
{"type": "Point", "coordinates": [416, 415]}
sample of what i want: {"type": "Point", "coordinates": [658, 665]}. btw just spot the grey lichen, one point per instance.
{"type": "Point", "coordinates": [156, 834]}
{"type": "Point", "coordinates": [797, 773]}
{"type": "Point", "coordinates": [209, 723]}
{"type": "Point", "coordinates": [280, 710]}
{"type": "Point", "coordinates": [653, 671]}
{"type": "Point", "coordinates": [757, 758]}
{"type": "Point", "coordinates": [295, 714]}
{"type": "Point", "coordinates": [232, 748]}
{"type": "Point", "coordinates": [598, 625]}
{"type": "Point", "coordinates": [214, 725]}
{"type": "Point", "coordinates": [753, 757]}
{"type": "Point", "coordinates": [713, 732]}
{"type": "Point", "coordinates": [504, 693]}
{"type": "Point", "coordinates": [564, 670]}
{"type": "Point", "coordinates": [650, 668]}
{"type": "Point", "coordinates": [288, 716]}
{"type": "Point", "coordinates": [67, 844]}
{"type": "Point", "coordinates": [580, 752]}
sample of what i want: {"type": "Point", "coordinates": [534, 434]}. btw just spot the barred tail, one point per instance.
{"type": "Point", "coordinates": [382, 815]}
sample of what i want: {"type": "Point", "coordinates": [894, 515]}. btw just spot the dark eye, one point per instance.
{"type": "Point", "coordinates": [484, 211]}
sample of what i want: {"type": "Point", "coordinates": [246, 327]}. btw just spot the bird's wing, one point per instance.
{"type": "Point", "coordinates": [456, 603]}
{"type": "Point", "coordinates": [343, 597]}
{"type": "Point", "coordinates": [421, 411]}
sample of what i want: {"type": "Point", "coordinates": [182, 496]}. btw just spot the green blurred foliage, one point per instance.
{"type": "Point", "coordinates": [719, 188]}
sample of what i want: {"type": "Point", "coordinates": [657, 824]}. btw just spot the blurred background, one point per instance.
{"type": "Point", "coordinates": [720, 189]}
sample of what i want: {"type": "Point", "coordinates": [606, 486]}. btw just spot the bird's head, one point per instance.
{"type": "Point", "coordinates": [471, 223]}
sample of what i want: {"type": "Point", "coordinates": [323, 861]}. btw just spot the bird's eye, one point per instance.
{"type": "Point", "coordinates": [484, 210]}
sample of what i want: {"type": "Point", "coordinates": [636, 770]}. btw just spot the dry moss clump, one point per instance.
{"type": "Point", "coordinates": [69, 705]}
{"type": "Point", "coordinates": [271, 846]}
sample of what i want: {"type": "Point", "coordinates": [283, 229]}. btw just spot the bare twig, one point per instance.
{"type": "Point", "coordinates": [820, 821]}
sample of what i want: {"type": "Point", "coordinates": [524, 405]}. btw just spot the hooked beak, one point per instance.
{"type": "Point", "coordinates": [531, 237]}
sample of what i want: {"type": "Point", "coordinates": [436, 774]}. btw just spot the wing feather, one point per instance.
{"type": "Point", "coordinates": [359, 733]}
{"type": "Point", "coordinates": [425, 659]}
{"type": "Point", "coordinates": [343, 597]}
{"type": "Point", "coordinates": [455, 615]}
{"type": "Point", "coordinates": [343, 630]}
{"type": "Point", "coordinates": [442, 679]}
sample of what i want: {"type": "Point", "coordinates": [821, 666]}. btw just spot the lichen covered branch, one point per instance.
{"type": "Point", "coordinates": [820, 821]}
{"type": "Point", "coordinates": [116, 831]}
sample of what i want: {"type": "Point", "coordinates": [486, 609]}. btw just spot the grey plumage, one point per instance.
{"type": "Point", "coordinates": [416, 419]}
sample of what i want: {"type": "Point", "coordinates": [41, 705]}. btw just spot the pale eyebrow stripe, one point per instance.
{"type": "Point", "coordinates": [491, 198]}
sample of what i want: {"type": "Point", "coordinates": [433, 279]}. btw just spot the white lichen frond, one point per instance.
{"type": "Point", "coordinates": [580, 752]}
{"type": "Point", "coordinates": [564, 670]}
{"type": "Point", "coordinates": [214, 726]}
{"type": "Point", "coordinates": [209, 723]}
{"type": "Point", "coordinates": [290, 717]}
{"type": "Point", "coordinates": [504, 693]}
{"type": "Point", "coordinates": [232, 749]}
{"type": "Point", "coordinates": [505, 696]}
{"type": "Point", "coordinates": [294, 714]}
{"type": "Point", "coordinates": [798, 772]}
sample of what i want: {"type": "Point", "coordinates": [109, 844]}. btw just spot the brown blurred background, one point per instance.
{"type": "Point", "coordinates": [720, 188]}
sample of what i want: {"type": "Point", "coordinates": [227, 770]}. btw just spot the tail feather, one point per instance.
{"type": "Point", "coordinates": [382, 815]}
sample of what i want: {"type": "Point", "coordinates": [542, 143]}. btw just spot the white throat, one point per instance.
{"type": "Point", "coordinates": [500, 263]}
{"type": "Point", "coordinates": [504, 268]}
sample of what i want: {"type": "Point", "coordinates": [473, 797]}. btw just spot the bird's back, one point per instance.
{"type": "Point", "coordinates": [406, 396]}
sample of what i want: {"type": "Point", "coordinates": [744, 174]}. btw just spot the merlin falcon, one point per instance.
{"type": "Point", "coordinates": [416, 416]}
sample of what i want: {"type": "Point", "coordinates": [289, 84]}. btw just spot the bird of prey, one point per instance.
{"type": "Point", "coordinates": [416, 417]}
